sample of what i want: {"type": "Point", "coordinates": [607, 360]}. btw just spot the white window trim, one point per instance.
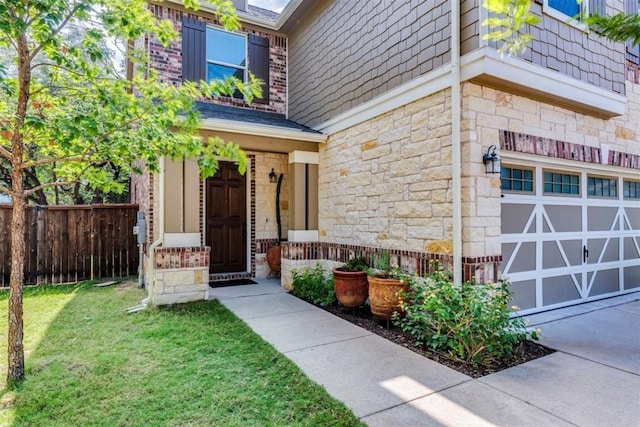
{"type": "Point", "coordinates": [224, 64]}
{"type": "Point", "coordinates": [555, 13]}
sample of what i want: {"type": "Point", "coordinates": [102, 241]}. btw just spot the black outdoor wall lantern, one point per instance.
{"type": "Point", "coordinates": [491, 160]}
{"type": "Point", "coordinates": [273, 178]}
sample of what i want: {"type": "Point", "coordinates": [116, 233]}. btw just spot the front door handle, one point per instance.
{"type": "Point", "coordinates": [585, 254]}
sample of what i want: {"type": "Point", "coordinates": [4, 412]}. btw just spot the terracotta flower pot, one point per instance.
{"type": "Point", "coordinates": [351, 287]}
{"type": "Point", "coordinates": [274, 258]}
{"type": "Point", "coordinates": [383, 296]}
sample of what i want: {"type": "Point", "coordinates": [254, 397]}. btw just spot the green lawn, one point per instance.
{"type": "Point", "coordinates": [90, 363]}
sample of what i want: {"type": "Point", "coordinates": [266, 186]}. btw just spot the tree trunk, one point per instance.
{"type": "Point", "coordinates": [16, 329]}
{"type": "Point", "coordinates": [15, 371]}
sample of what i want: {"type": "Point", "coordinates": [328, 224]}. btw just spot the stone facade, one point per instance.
{"type": "Point", "coordinates": [387, 182]}
{"type": "Point", "coordinates": [180, 275]}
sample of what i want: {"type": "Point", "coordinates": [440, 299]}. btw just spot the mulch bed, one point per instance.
{"type": "Point", "coordinates": [362, 317]}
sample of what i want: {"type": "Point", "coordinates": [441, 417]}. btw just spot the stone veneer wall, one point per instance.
{"type": "Point", "coordinates": [265, 224]}
{"type": "Point", "coordinates": [387, 182]}
{"type": "Point", "coordinates": [180, 275]}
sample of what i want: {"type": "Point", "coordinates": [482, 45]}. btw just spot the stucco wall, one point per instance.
{"type": "Point", "coordinates": [387, 182]}
{"type": "Point", "coordinates": [346, 52]}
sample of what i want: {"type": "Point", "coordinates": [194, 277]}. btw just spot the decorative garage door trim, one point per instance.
{"type": "Point", "coordinates": [564, 249]}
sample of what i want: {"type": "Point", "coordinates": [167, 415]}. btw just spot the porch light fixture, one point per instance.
{"type": "Point", "coordinates": [491, 160]}
{"type": "Point", "coordinates": [273, 178]}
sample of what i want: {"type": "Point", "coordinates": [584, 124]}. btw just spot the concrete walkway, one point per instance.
{"type": "Point", "coordinates": [593, 379]}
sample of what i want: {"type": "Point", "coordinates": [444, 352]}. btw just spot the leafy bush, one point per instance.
{"type": "Point", "coordinates": [356, 264]}
{"type": "Point", "coordinates": [313, 285]}
{"type": "Point", "coordinates": [471, 322]}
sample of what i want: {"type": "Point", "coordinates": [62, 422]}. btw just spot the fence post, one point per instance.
{"type": "Point", "coordinates": [40, 242]}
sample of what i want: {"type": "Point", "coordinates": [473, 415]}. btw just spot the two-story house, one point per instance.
{"type": "Point", "coordinates": [387, 120]}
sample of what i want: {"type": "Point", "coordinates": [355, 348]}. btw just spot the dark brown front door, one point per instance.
{"type": "Point", "coordinates": [226, 214]}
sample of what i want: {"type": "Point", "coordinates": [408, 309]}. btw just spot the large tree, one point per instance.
{"type": "Point", "coordinates": [66, 106]}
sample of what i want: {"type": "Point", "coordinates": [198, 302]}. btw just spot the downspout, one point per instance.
{"type": "Point", "coordinates": [150, 270]}
{"type": "Point", "coordinates": [456, 156]}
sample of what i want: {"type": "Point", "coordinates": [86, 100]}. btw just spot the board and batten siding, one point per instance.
{"type": "Point", "coordinates": [343, 53]}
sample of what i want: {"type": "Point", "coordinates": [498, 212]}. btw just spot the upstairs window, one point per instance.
{"type": "Point", "coordinates": [226, 55]}
{"type": "Point", "coordinates": [569, 8]}
{"type": "Point", "coordinates": [210, 53]}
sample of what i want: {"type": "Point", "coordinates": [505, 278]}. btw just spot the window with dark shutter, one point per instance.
{"type": "Point", "coordinates": [259, 63]}
{"type": "Point", "coordinates": [193, 49]}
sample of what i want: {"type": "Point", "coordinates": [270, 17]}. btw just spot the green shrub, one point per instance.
{"type": "Point", "coordinates": [471, 322]}
{"type": "Point", "coordinates": [356, 264]}
{"type": "Point", "coordinates": [313, 285]}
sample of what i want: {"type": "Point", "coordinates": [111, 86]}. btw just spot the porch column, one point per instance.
{"type": "Point", "coordinates": [182, 204]}
{"type": "Point", "coordinates": [303, 201]}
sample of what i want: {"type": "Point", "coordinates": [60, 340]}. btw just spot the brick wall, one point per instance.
{"type": "Point", "coordinates": [168, 60]}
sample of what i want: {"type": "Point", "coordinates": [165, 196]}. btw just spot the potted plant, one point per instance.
{"type": "Point", "coordinates": [385, 285]}
{"type": "Point", "coordinates": [350, 282]}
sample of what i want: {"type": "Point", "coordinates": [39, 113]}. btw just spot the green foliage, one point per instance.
{"type": "Point", "coordinates": [471, 322]}
{"type": "Point", "coordinates": [382, 267]}
{"type": "Point", "coordinates": [80, 112]}
{"type": "Point", "coordinates": [507, 22]}
{"type": "Point", "coordinates": [312, 284]}
{"type": "Point", "coordinates": [618, 27]}
{"type": "Point", "coordinates": [356, 264]}
{"type": "Point", "coordinates": [91, 364]}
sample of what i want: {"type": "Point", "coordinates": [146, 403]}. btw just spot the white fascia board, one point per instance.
{"type": "Point", "coordinates": [251, 19]}
{"type": "Point", "coordinates": [243, 16]}
{"type": "Point", "coordinates": [487, 61]}
{"type": "Point", "coordinates": [260, 130]}
{"type": "Point", "coordinates": [421, 87]}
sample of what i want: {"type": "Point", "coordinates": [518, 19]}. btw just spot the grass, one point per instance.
{"type": "Point", "coordinates": [91, 364]}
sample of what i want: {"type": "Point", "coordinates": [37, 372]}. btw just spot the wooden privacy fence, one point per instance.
{"type": "Point", "coordinates": [72, 243]}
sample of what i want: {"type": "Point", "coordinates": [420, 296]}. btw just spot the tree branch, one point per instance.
{"type": "Point", "coordinates": [65, 21]}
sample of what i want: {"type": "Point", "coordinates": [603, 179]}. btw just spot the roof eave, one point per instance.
{"type": "Point", "coordinates": [245, 128]}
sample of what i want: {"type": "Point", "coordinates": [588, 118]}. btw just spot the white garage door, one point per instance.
{"type": "Point", "coordinates": [569, 236]}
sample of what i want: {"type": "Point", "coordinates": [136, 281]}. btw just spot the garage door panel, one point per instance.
{"type": "Point", "coordinates": [632, 277]}
{"type": "Point", "coordinates": [573, 251]}
{"type": "Point", "coordinates": [631, 245]}
{"type": "Point", "coordinates": [604, 282]}
{"type": "Point", "coordinates": [563, 218]}
{"type": "Point", "coordinates": [612, 251]}
{"type": "Point", "coordinates": [524, 294]}
{"type": "Point", "coordinates": [633, 218]}
{"type": "Point", "coordinates": [602, 218]}
{"type": "Point", "coordinates": [559, 289]}
{"type": "Point", "coordinates": [524, 258]}
{"type": "Point", "coordinates": [563, 248]}
{"type": "Point", "coordinates": [515, 217]}
{"type": "Point", "coordinates": [551, 255]}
